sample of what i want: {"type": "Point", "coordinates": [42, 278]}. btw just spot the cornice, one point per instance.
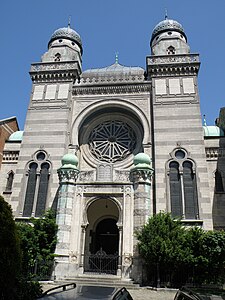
{"type": "Point", "coordinates": [54, 71]}
{"type": "Point", "coordinates": [172, 65]}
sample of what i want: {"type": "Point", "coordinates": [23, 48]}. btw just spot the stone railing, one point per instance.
{"type": "Point", "coordinates": [10, 156]}
{"type": "Point", "coordinates": [171, 59]}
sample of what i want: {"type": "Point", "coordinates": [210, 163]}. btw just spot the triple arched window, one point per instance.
{"type": "Point", "coordinates": [37, 185]}
{"type": "Point", "coordinates": [182, 186]}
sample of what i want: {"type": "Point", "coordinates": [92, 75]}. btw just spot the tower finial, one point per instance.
{"type": "Point", "coordinates": [166, 14]}
{"type": "Point", "coordinates": [69, 21]}
{"type": "Point", "coordinates": [117, 57]}
{"type": "Point", "coordinates": [204, 120]}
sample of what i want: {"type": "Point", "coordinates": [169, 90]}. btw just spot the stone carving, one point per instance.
{"type": "Point", "coordinates": [122, 175]}
{"type": "Point", "coordinates": [141, 212]}
{"type": "Point", "coordinates": [86, 176]}
{"type": "Point", "coordinates": [67, 175]}
{"type": "Point", "coordinates": [73, 257]}
{"type": "Point", "coordinates": [53, 66]}
{"type": "Point", "coordinates": [141, 175]}
{"type": "Point", "coordinates": [190, 58]}
{"type": "Point", "coordinates": [127, 259]}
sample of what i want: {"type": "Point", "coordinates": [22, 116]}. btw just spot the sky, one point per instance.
{"type": "Point", "coordinates": [107, 27]}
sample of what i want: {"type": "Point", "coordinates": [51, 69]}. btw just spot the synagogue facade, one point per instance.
{"type": "Point", "coordinates": [110, 147]}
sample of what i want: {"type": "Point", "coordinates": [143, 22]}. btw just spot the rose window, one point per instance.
{"type": "Point", "coordinates": [112, 141]}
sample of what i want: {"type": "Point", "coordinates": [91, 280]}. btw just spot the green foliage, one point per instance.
{"type": "Point", "coordinates": [38, 241]}
{"type": "Point", "coordinates": [183, 253]}
{"type": "Point", "coordinates": [10, 255]}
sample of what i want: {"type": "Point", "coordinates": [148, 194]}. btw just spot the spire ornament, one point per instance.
{"type": "Point", "coordinates": [117, 57]}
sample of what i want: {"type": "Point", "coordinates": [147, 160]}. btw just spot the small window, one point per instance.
{"type": "Point", "coordinates": [57, 57]}
{"type": "Point", "coordinates": [179, 154]}
{"type": "Point", "coordinates": [40, 156]}
{"type": "Point", "coordinates": [60, 41]}
{"type": "Point", "coordinates": [73, 43]}
{"type": "Point", "coordinates": [170, 50]}
{"type": "Point", "coordinates": [9, 181]}
{"type": "Point", "coordinates": [169, 33]}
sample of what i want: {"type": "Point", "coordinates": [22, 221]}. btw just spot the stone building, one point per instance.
{"type": "Point", "coordinates": [110, 147]}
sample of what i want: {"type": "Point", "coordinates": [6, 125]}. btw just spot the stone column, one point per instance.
{"type": "Point", "coordinates": [68, 174]}
{"type": "Point", "coordinates": [141, 176]}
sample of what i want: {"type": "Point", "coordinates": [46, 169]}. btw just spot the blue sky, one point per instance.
{"type": "Point", "coordinates": [106, 27]}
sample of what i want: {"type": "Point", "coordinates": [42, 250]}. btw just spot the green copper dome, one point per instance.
{"type": "Point", "coordinates": [16, 136]}
{"type": "Point", "coordinates": [142, 158]}
{"type": "Point", "coordinates": [212, 131]}
{"type": "Point", "coordinates": [70, 159]}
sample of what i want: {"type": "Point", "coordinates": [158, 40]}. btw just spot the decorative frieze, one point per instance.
{"type": "Point", "coordinates": [119, 89]}
{"type": "Point", "coordinates": [54, 72]}
{"type": "Point", "coordinates": [122, 176]}
{"type": "Point", "coordinates": [171, 59]}
{"type": "Point", "coordinates": [141, 175]}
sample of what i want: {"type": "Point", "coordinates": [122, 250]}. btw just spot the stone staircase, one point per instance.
{"type": "Point", "coordinates": [101, 280]}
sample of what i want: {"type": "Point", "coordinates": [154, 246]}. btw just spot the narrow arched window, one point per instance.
{"type": "Point", "coordinates": [9, 182]}
{"type": "Point", "coordinates": [175, 189]}
{"type": "Point", "coordinates": [42, 190]}
{"type": "Point", "coordinates": [218, 182]}
{"type": "Point", "coordinates": [30, 192]}
{"type": "Point", "coordinates": [190, 191]}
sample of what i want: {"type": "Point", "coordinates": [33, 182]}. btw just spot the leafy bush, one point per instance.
{"type": "Point", "coordinates": [178, 255]}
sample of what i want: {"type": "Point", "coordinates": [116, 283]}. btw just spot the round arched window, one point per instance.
{"type": "Point", "coordinates": [112, 141]}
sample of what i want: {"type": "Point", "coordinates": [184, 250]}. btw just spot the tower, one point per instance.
{"type": "Point", "coordinates": [181, 179]}
{"type": "Point", "coordinates": [47, 128]}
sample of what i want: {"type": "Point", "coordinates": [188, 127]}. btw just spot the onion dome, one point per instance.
{"type": "Point", "coordinates": [210, 131]}
{"type": "Point", "coordinates": [69, 159]}
{"type": "Point", "coordinates": [142, 158]}
{"type": "Point", "coordinates": [66, 33]}
{"type": "Point", "coordinates": [167, 25]}
{"type": "Point", "coordinates": [16, 136]}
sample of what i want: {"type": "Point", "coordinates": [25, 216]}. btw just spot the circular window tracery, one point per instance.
{"type": "Point", "coordinates": [112, 141]}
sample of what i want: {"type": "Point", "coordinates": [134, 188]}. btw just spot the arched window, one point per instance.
{"type": "Point", "coordinates": [30, 192]}
{"type": "Point", "coordinates": [218, 182]}
{"type": "Point", "coordinates": [175, 189]}
{"type": "Point", "coordinates": [37, 185]}
{"type": "Point", "coordinates": [190, 192]}
{"type": "Point", "coordinates": [9, 182]}
{"type": "Point", "coordinates": [183, 188]}
{"type": "Point", "coordinates": [43, 189]}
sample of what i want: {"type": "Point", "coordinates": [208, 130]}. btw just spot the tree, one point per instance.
{"type": "Point", "coordinates": [10, 254]}
{"type": "Point", "coordinates": [38, 241]}
{"type": "Point", "coordinates": [161, 243]}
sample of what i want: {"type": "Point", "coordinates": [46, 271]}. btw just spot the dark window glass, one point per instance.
{"type": "Point", "coordinates": [218, 182]}
{"type": "Point", "coordinates": [175, 190]}
{"type": "Point", "coordinates": [179, 154]}
{"type": "Point", "coordinates": [30, 192]}
{"type": "Point", "coordinates": [9, 181]}
{"type": "Point", "coordinates": [43, 189]}
{"type": "Point", "coordinates": [190, 191]}
{"type": "Point", "coordinates": [40, 156]}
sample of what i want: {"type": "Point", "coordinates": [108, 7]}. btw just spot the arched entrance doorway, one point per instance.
{"type": "Point", "coordinates": [102, 237]}
{"type": "Point", "coordinates": [106, 237]}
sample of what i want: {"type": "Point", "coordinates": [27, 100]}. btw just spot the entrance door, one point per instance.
{"type": "Point", "coordinates": [106, 237]}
